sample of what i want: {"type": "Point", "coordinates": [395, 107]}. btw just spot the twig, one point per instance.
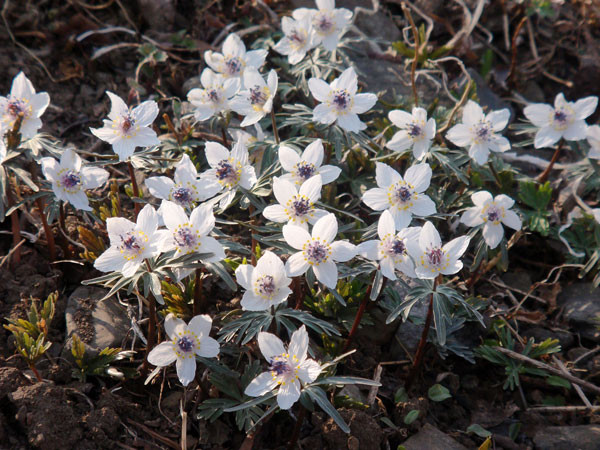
{"type": "Point", "coordinates": [540, 365]}
{"type": "Point", "coordinates": [585, 355]}
{"type": "Point", "coordinates": [274, 123]}
{"type": "Point", "coordinates": [555, 409]}
{"type": "Point", "coordinates": [544, 175]}
{"type": "Point", "coordinates": [134, 185]}
{"type": "Point", "coordinates": [415, 60]}
{"type": "Point", "coordinates": [459, 105]}
{"type": "Point", "coordinates": [562, 367]}
{"type": "Point", "coordinates": [513, 60]}
{"type": "Point", "coordinates": [12, 250]}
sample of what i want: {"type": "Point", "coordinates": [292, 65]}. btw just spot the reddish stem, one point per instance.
{"type": "Point", "coordinates": [544, 175]}
{"type": "Point", "coordinates": [298, 289]}
{"type": "Point", "coordinates": [15, 227]}
{"type": "Point", "coordinates": [297, 427]}
{"type": "Point", "coordinates": [199, 306]}
{"type": "Point", "coordinates": [36, 373]}
{"type": "Point", "coordinates": [422, 343]}
{"type": "Point", "coordinates": [47, 230]}
{"type": "Point", "coordinates": [134, 185]}
{"type": "Point", "coordinates": [358, 318]}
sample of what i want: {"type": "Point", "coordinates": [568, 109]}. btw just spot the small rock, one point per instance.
{"type": "Point", "coordinates": [408, 334]}
{"type": "Point", "coordinates": [582, 309]}
{"type": "Point", "coordinates": [584, 437]}
{"type": "Point", "coordinates": [430, 438]}
{"type": "Point", "coordinates": [366, 433]}
{"type": "Point", "coordinates": [99, 324]}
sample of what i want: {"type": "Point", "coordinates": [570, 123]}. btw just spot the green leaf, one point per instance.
{"type": "Point", "coordinates": [400, 396]}
{"type": "Point", "coordinates": [438, 393]}
{"type": "Point", "coordinates": [411, 416]}
{"type": "Point", "coordinates": [513, 430]}
{"type": "Point", "coordinates": [478, 430]}
{"type": "Point", "coordinates": [558, 381]}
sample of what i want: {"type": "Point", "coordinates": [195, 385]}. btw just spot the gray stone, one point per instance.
{"type": "Point", "coordinates": [408, 334]}
{"type": "Point", "coordinates": [430, 438]}
{"type": "Point", "coordinates": [99, 324]}
{"type": "Point", "coordinates": [581, 304]}
{"type": "Point", "coordinates": [580, 437]}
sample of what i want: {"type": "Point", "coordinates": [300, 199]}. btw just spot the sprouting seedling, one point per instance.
{"type": "Point", "coordinates": [31, 333]}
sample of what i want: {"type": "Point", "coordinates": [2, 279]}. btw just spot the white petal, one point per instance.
{"type": "Point", "coordinates": [145, 113]}
{"type": "Point", "coordinates": [423, 206]}
{"type": "Point", "coordinates": [342, 251]}
{"type": "Point", "coordinates": [387, 268]}
{"type": "Point", "coordinates": [261, 385]}
{"type": "Point", "coordinates": [116, 227]}
{"type": "Point", "coordinates": [472, 113]}
{"type": "Point", "coordinates": [248, 177]}
{"type": "Point", "coordinates": [313, 153]}
{"type": "Point", "coordinates": [295, 236]}
{"type": "Point", "coordinates": [585, 107]}
{"type": "Point", "coordinates": [400, 141]}
{"type": "Point", "coordinates": [499, 119]}
{"type": "Point", "coordinates": [546, 137]}
{"type": "Point", "coordinates": [363, 103]}
{"type": "Point", "coordinates": [288, 394]}
{"type": "Point", "coordinates": [386, 224]}
{"type": "Point", "coordinates": [243, 275]}
{"type": "Point", "coordinates": [311, 188]}
{"type": "Point", "coordinates": [539, 114]}
{"type": "Point", "coordinates": [505, 201]}
{"type": "Point", "coordinates": [368, 249]}
{"type": "Point", "coordinates": [512, 220]}
{"type": "Point", "coordinates": [110, 261]}
{"type": "Point", "coordinates": [472, 217]}
{"type": "Point", "coordinates": [203, 219]}
{"type": "Point", "coordinates": [479, 153]}
{"type": "Point", "coordinates": [173, 215]}
{"type": "Point", "coordinates": [385, 175]}
{"type": "Point", "coordinates": [270, 345]}
{"type": "Point", "coordinates": [93, 177]}
{"type": "Point", "coordinates": [429, 237]}
{"type": "Point", "coordinates": [284, 191]}
{"type": "Point", "coordinates": [493, 234]}
{"type": "Point", "coordinates": [400, 118]}
{"type": "Point", "coordinates": [419, 176]}
{"type": "Point", "coordinates": [296, 265]}
{"type": "Point", "coordinates": [402, 217]}
{"type": "Point", "coordinates": [420, 148]}
{"type": "Point", "coordinates": [481, 198]}
{"type": "Point", "coordinates": [456, 247]}
{"type": "Point", "coordinates": [324, 114]}
{"type": "Point", "coordinates": [309, 370]}
{"type": "Point", "coordinates": [288, 158]}
{"type": "Point", "coordinates": [251, 302]}
{"type": "Point", "coordinates": [325, 229]}
{"type": "Point", "coordinates": [186, 370]}
{"type": "Point", "coordinates": [160, 187]}
{"type": "Point", "coordinates": [576, 132]}
{"type": "Point", "coordinates": [215, 153]}
{"type": "Point", "coordinates": [460, 135]}
{"type": "Point", "coordinates": [327, 273]}
{"type": "Point", "coordinates": [350, 122]}
{"type": "Point", "coordinates": [201, 324]}
{"type": "Point", "coordinates": [162, 355]}
{"type": "Point", "coordinates": [118, 107]}
{"type": "Point", "coordinates": [376, 199]}
{"type": "Point", "coordinates": [209, 348]}
{"type": "Point", "coordinates": [499, 144]}
{"type": "Point", "coordinates": [211, 245]}
{"type": "Point", "coordinates": [319, 89]}
{"type": "Point", "coordinates": [329, 173]}
{"type": "Point", "coordinates": [174, 326]}
{"type": "Point", "coordinates": [50, 167]}
{"type": "Point", "coordinates": [347, 80]}
{"type": "Point", "coordinates": [275, 213]}
{"type": "Point", "coordinates": [299, 344]}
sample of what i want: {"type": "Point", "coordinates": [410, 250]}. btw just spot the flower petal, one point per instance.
{"type": "Point", "coordinates": [419, 176]}
{"type": "Point", "coordinates": [309, 370]}
{"type": "Point", "coordinates": [162, 355]}
{"type": "Point", "coordinates": [342, 251]}
{"type": "Point", "coordinates": [319, 89]}
{"type": "Point", "coordinates": [326, 273]}
{"type": "Point", "coordinates": [209, 348]}
{"type": "Point", "coordinates": [512, 220]}
{"type": "Point", "coordinates": [493, 234]}
{"type": "Point", "coordinates": [314, 153]}
{"type": "Point", "coordinates": [295, 236]}
{"type": "Point", "coordinates": [215, 153]}
{"type": "Point", "coordinates": [456, 247]}
{"type": "Point", "coordinates": [201, 324]}
{"type": "Point", "coordinates": [262, 384]}
{"type": "Point", "coordinates": [325, 229]}
{"type": "Point", "coordinates": [539, 114]}
{"type": "Point", "coordinates": [299, 344]}
{"type": "Point", "coordinates": [546, 137]}
{"type": "Point", "coordinates": [186, 370]}
{"type": "Point", "coordinates": [270, 345]}
{"type": "Point", "coordinates": [296, 265]}
{"type": "Point", "coordinates": [288, 158]}
{"type": "Point", "coordinates": [288, 394]}
{"type": "Point", "coordinates": [429, 237]}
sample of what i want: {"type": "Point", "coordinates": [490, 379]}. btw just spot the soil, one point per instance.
{"type": "Point", "coordinates": [105, 413]}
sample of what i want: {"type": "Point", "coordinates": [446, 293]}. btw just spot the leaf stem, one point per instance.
{"type": "Point", "coordinates": [494, 173]}
{"type": "Point", "coordinates": [274, 123]}
{"type": "Point", "coordinates": [297, 427]}
{"type": "Point", "coordinates": [199, 305]}
{"type": "Point", "coordinates": [359, 314]}
{"type": "Point", "coordinates": [134, 185]}
{"type": "Point", "coordinates": [421, 348]}
{"type": "Point", "coordinates": [544, 175]}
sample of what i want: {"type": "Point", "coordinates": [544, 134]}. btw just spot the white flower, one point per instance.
{"type": "Point", "coordinates": [593, 138]}
{"type": "Point", "coordinates": [493, 212]}
{"type": "Point", "coordinates": [317, 251]}
{"type": "Point", "coordinates": [23, 100]}
{"type": "Point", "coordinates": [390, 249]}
{"type": "Point", "coordinates": [329, 23]}
{"type": "Point", "coordinates": [302, 168]}
{"type": "Point", "coordinates": [187, 190]}
{"type": "Point", "coordinates": [266, 284]}
{"type": "Point", "coordinates": [340, 102]}
{"type": "Point", "coordinates": [131, 243]}
{"type": "Point", "coordinates": [215, 97]}
{"type": "Point", "coordinates": [431, 259]}
{"type": "Point", "coordinates": [287, 368]}
{"type": "Point", "coordinates": [190, 235]}
{"type": "Point", "coordinates": [3, 149]}
{"type": "Point", "coordinates": [184, 344]}
{"type": "Point", "coordinates": [128, 128]}
{"type": "Point", "coordinates": [298, 40]}
{"type": "Point", "coordinates": [234, 60]}
{"type": "Point", "coordinates": [415, 131]}
{"type": "Point", "coordinates": [246, 138]}
{"type": "Point", "coordinates": [479, 132]}
{"type": "Point", "coordinates": [402, 197]}
{"type": "Point", "coordinates": [296, 207]}
{"type": "Point", "coordinates": [70, 179]}
{"type": "Point", "coordinates": [566, 119]}
{"type": "Point", "coordinates": [256, 100]}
